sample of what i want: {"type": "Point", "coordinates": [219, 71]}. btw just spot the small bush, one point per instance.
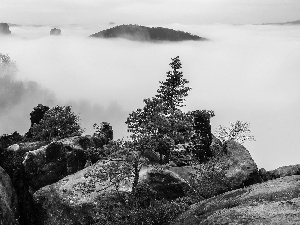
{"type": "Point", "coordinates": [157, 214]}
{"type": "Point", "coordinates": [57, 123]}
{"type": "Point", "coordinates": [210, 178]}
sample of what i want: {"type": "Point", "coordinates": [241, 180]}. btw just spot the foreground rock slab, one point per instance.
{"type": "Point", "coordinates": [8, 201]}
{"type": "Point", "coordinates": [273, 202]}
{"type": "Point", "coordinates": [80, 198]}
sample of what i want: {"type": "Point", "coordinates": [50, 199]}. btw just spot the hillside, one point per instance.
{"type": "Point", "coordinates": [296, 22]}
{"type": "Point", "coordinates": [142, 33]}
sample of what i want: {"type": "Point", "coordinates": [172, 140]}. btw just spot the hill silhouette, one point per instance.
{"type": "Point", "coordinates": [296, 22]}
{"type": "Point", "coordinates": [142, 33]}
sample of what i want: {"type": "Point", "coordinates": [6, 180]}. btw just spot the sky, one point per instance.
{"type": "Point", "coordinates": [244, 72]}
{"type": "Point", "coordinates": [148, 11]}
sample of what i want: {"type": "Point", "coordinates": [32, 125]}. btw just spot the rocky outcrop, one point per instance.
{"type": "Point", "coordinates": [79, 198]}
{"type": "Point", "coordinates": [272, 202]}
{"type": "Point", "coordinates": [280, 172]}
{"type": "Point", "coordinates": [55, 31]}
{"type": "Point", "coordinates": [54, 161]}
{"type": "Point", "coordinates": [4, 28]}
{"type": "Point", "coordinates": [8, 201]}
{"type": "Point", "coordinates": [226, 171]}
{"type": "Point", "coordinates": [242, 168]}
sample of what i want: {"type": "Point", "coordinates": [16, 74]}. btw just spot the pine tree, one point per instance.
{"type": "Point", "coordinates": [161, 118]}
{"type": "Point", "coordinates": [173, 91]}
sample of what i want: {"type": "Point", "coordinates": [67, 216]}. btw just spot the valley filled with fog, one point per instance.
{"type": "Point", "coordinates": [243, 72]}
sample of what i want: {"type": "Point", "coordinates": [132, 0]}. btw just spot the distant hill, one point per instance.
{"type": "Point", "coordinates": [14, 25]}
{"type": "Point", "coordinates": [296, 22]}
{"type": "Point", "coordinates": [142, 33]}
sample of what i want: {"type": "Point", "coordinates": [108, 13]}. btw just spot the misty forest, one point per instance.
{"type": "Point", "coordinates": [149, 125]}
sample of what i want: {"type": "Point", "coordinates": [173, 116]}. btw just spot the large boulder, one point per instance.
{"type": "Point", "coordinates": [54, 161]}
{"type": "Point", "coordinates": [4, 28]}
{"type": "Point", "coordinates": [55, 31]}
{"type": "Point", "coordinates": [80, 198]}
{"type": "Point", "coordinates": [165, 183]}
{"type": "Point", "coordinates": [230, 169]}
{"type": "Point", "coordinates": [242, 168]}
{"type": "Point", "coordinates": [8, 201]}
{"type": "Point", "coordinates": [273, 202]}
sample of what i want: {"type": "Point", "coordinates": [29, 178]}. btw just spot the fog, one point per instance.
{"type": "Point", "coordinates": [248, 73]}
{"type": "Point", "coordinates": [148, 11]}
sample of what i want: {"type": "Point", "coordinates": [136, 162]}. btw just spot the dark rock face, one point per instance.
{"type": "Point", "coordinates": [4, 28]}
{"type": "Point", "coordinates": [141, 33]}
{"type": "Point", "coordinates": [11, 160]}
{"type": "Point", "coordinates": [8, 201]}
{"type": "Point", "coordinates": [272, 202]}
{"type": "Point", "coordinates": [52, 162]}
{"type": "Point", "coordinates": [165, 183]}
{"type": "Point", "coordinates": [55, 31]}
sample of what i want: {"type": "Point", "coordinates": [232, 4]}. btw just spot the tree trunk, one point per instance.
{"type": "Point", "coordinates": [136, 177]}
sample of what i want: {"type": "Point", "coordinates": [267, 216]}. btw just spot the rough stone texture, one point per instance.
{"type": "Point", "coordinates": [273, 202]}
{"type": "Point", "coordinates": [8, 201]}
{"type": "Point", "coordinates": [4, 28]}
{"type": "Point", "coordinates": [216, 146]}
{"type": "Point", "coordinates": [14, 147]}
{"type": "Point", "coordinates": [55, 31]}
{"type": "Point", "coordinates": [78, 198]}
{"type": "Point", "coordinates": [165, 183]}
{"type": "Point", "coordinates": [26, 146]}
{"type": "Point", "coordinates": [243, 169]}
{"type": "Point", "coordinates": [280, 172]}
{"type": "Point", "coordinates": [52, 162]}
{"type": "Point", "coordinates": [233, 170]}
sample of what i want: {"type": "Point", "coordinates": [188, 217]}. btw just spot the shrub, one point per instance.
{"type": "Point", "coordinates": [238, 131]}
{"type": "Point", "coordinates": [159, 213]}
{"type": "Point", "coordinates": [210, 179]}
{"type": "Point", "coordinates": [9, 139]}
{"type": "Point", "coordinates": [58, 122]}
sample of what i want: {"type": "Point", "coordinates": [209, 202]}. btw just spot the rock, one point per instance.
{"type": "Point", "coordinates": [164, 182]}
{"type": "Point", "coordinates": [226, 171]}
{"type": "Point", "coordinates": [216, 147]}
{"type": "Point", "coordinates": [8, 201]}
{"type": "Point", "coordinates": [55, 31]}
{"type": "Point", "coordinates": [54, 161]}
{"type": "Point", "coordinates": [4, 28]}
{"type": "Point", "coordinates": [242, 168]}
{"type": "Point", "coordinates": [273, 202]}
{"type": "Point", "coordinates": [14, 147]}
{"type": "Point", "coordinates": [79, 198]}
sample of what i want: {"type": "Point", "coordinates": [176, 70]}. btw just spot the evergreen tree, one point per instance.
{"type": "Point", "coordinates": [161, 118]}
{"type": "Point", "coordinates": [173, 91]}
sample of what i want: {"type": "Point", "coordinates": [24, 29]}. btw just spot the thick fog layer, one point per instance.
{"type": "Point", "coordinates": [248, 73]}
